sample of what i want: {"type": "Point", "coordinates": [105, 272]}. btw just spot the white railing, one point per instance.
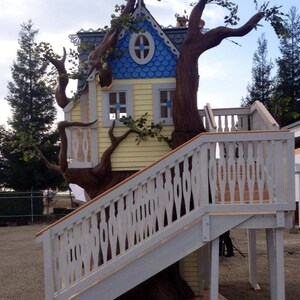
{"type": "Point", "coordinates": [255, 117]}
{"type": "Point", "coordinates": [78, 141]}
{"type": "Point", "coordinates": [255, 174]}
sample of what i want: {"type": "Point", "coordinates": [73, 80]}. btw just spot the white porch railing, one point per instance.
{"type": "Point", "coordinates": [256, 174]}
{"type": "Point", "coordinates": [79, 147]}
{"type": "Point", "coordinates": [255, 117]}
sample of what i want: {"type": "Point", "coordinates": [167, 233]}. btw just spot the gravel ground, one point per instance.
{"type": "Point", "coordinates": [21, 266]}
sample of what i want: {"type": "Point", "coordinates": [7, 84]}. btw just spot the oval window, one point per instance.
{"type": "Point", "coordinates": [141, 47]}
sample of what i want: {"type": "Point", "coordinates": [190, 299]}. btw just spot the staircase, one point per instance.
{"type": "Point", "coordinates": [222, 179]}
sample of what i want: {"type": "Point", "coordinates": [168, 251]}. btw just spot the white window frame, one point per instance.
{"type": "Point", "coordinates": [127, 89]}
{"type": "Point", "coordinates": [157, 88]}
{"type": "Point", "coordinates": [133, 48]}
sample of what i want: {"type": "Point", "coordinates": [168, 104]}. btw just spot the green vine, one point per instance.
{"type": "Point", "coordinates": [144, 131]}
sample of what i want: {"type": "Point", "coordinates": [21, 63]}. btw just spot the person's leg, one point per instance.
{"type": "Point", "coordinates": [228, 243]}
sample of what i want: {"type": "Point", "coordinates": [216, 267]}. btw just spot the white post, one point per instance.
{"type": "Point", "coordinates": [252, 258]}
{"type": "Point", "coordinates": [275, 248]}
{"type": "Point", "coordinates": [214, 275]}
{"type": "Point", "coordinates": [48, 267]}
{"type": "Point", "coordinates": [204, 269]}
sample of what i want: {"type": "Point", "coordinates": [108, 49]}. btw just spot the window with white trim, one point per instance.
{"type": "Point", "coordinates": [163, 102]}
{"type": "Point", "coordinates": [116, 103]}
{"type": "Point", "coordinates": [141, 47]}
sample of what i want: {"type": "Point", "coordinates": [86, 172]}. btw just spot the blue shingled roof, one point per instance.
{"type": "Point", "coordinates": [162, 64]}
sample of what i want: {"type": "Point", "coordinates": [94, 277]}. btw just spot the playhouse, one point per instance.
{"type": "Point", "coordinates": [238, 174]}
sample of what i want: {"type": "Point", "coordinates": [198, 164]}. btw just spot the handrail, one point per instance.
{"type": "Point", "coordinates": [211, 123]}
{"type": "Point", "coordinates": [165, 160]}
{"type": "Point", "coordinates": [253, 171]}
{"type": "Point", "coordinates": [265, 116]}
{"type": "Point", "coordinates": [255, 117]}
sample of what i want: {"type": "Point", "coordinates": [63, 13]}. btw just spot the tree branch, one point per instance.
{"type": "Point", "coordinates": [195, 17]}
{"type": "Point", "coordinates": [104, 167]}
{"type": "Point", "coordinates": [62, 79]}
{"type": "Point", "coordinates": [215, 36]}
{"type": "Point", "coordinates": [109, 42]}
{"type": "Point", "coordinates": [47, 163]}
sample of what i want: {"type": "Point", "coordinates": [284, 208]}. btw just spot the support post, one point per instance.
{"type": "Point", "coordinates": [275, 247]}
{"type": "Point", "coordinates": [48, 266]}
{"type": "Point", "coordinates": [252, 259]}
{"type": "Point", "coordinates": [204, 269]}
{"type": "Point", "coordinates": [214, 275]}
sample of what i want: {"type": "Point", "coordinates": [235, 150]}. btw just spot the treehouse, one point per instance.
{"type": "Point", "coordinates": [238, 173]}
{"type": "Point", "coordinates": [143, 82]}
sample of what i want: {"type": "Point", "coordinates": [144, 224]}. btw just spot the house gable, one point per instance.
{"type": "Point", "coordinates": [162, 63]}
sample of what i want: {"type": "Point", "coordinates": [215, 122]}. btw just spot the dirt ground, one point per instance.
{"type": "Point", "coordinates": [21, 266]}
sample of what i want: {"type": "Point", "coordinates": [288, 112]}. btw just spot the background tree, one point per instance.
{"type": "Point", "coordinates": [33, 114]}
{"type": "Point", "coordinates": [261, 87]}
{"type": "Point", "coordinates": [286, 103]}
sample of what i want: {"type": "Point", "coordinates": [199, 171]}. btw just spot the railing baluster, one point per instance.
{"type": "Point", "coordinates": [131, 221]}
{"type": "Point", "coordinates": [103, 233]}
{"type": "Point", "coordinates": [250, 172]}
{"type": "Point", "coordinates": [150, 207]}
{"type": "Point", "coordinates": [112, 230]}
{"type": "Point", "coordinates": [168, 190]}
{"type": "Point", "coordinates": [241, 172]}
{"type": "Point", "coordinates": [94, 241]}
{"type": "Point", "coordinates": [177, 190]}
{"type": "Point", "coordinates": [212, 165]}
{"type": "Point", "coordinates": [77, 250]}
{"type": "Point", "coordinates": [270, 171]}
{"type": "Point", "coordinates": [186, 184]}
{"type": "Point", "coordinates": [75, 144]}
{"type": "Point", "coordinates": [231, 171]}
{"type": "Point", "coordinates": [195, 178]}
{"type": "Point", "coordinates": [279, 180]}
{"type": "Point", "coordinates": [260, 174]}
{"type": "Point", "coordinates": [85, 244]}
{"type": "Point", "coordinates": [121, 219]}
{"type": "Point", "coordinates": [85, 143]}
{"type": "Point", "coordinates": [222, 174]}
{"type": "Point", "coordinates": [160, 209]}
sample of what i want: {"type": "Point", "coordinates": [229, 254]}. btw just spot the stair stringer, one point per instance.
{"type": "Point", "coordinates": [141, 262]}
{"type": "Point", "coordinates": [152, 256]}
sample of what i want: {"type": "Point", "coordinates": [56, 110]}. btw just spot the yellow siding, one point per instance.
{"type": "Point", "coordinates": [76, 113]}
{"type": "Point", "coordinates": [190, 269]}
{"type": "Point", "coordinates": [129, 155]}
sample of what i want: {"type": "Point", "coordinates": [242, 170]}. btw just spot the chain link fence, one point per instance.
{"type": "Point", "coordinates": [28, 207]}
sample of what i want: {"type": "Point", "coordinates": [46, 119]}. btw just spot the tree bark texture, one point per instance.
{"type": "Point", "coordinates": [187, 121]}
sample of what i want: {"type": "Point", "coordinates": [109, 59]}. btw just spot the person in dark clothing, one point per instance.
{"type": "Point", "coordinates": [225, 241]}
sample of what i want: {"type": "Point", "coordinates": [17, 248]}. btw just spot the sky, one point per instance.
{"type": "Point", "coordinates": [225, 71]}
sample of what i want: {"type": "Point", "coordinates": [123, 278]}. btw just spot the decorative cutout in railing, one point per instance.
{"type": "Point", "coordinates": [251, 174]}
{"type": "Point", "coordinates": [79, 144]}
